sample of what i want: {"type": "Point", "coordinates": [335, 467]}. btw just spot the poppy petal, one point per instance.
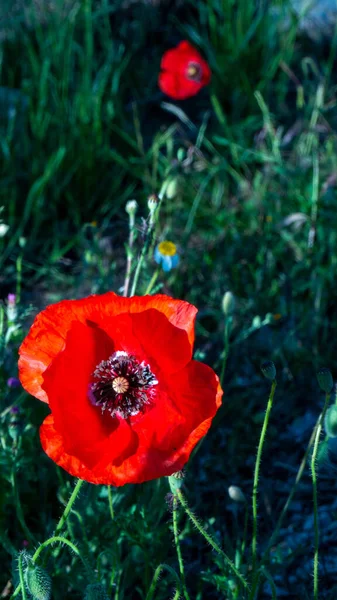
{"type": "Point", "coordinates": [47, 335]}
{"type": "Point", "coordinates": [166, 344]}
{"type": "Point", "coordinates": [85, 432]}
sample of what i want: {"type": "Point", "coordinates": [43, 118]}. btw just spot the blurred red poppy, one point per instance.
{"type": "Point", "coordinates": [128, 403]}
{"type": "Point", "coordinates": [183, 72]}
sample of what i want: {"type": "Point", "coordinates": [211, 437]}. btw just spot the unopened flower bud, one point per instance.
{"type": "Point", "coordinates": [176, 481]}
{"type": "Point", "coordinates": [257, 322]}
{"type": "Point", "coordinates": [38, 581]}
{"type": "Point", "coordinates": [235, 493]}
{"type": "Point", "coordinates": [325, 380]}
{"type": "Point", "coordinates": [13, 382]}
{"type": "Point", "coordinates": [268, 370]}
{"type": "Point", "coordinates": [228, 304]}
{"type": "Point", "coordinates": [11, 308]}
{"type": "Point", "coordinates": [330, 421]}
{"type": "Point", "coordinates": [181, 154]}
{"type": "Point", "coordinates": [172, 188]}
{"type": "Point", "coordinates": [3, 229]}
{"type": "Point", "coordinates": [95, 591]}
{"type": "Point", "coordinates": [131, 207]}
{"type": "Point", "coordinates": [152, 203]}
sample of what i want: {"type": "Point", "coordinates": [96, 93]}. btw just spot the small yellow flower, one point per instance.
{"type": "Point", "coordinates": [166, 255]}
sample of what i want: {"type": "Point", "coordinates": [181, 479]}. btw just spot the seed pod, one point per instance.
{"type": "Point", "coordinates": [38, 582]}
{"type": "Point", "coordinates": [176, 481]}
{"type": "Point", "coordinates": [235, 493]}
{"type": "Point", "coordinates": [325, 380]}
{"type": "Point", "coordinates": [330, 421]}
{"type": "Point", "coordinates": [268, 370]}
{"type": "Point", "coordinates": [95, 591]}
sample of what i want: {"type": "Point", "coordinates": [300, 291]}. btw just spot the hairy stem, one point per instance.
{"type": "Point", "coordinates": [257, 472]}
{"type": "Point", "coordinates": [156, 577]}
{"type": "Point", "coordinates": [69, 506]}
{"type": "Point", "coordinates": [53, 540]}
{"type": "Point", "coordinates": [292, 491]}
{"type": "Point", "coordinates": [314, 486]}
{"type": "Point", "coordinates": [177, 544]}
{"type": "Point", "coordinates": [22, 583]}
{"type": "Point", "coordinates": [210, 540]}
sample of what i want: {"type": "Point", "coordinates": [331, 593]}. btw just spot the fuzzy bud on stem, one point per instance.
{"type": "Point", "coordinates": [228, 304]}
{"type": "Point", "coordinates": [38, 581]}
{"type": "Point", "coordinates": [268, 370]}
{"type": "Point", "coordinates": [176, 481]}
{"type": "Point", "coordinates": [152, 203]}
{"type": "Point", "coordinates": [131, 207]}
{"type": "Point", "coordinates": [325, 380]}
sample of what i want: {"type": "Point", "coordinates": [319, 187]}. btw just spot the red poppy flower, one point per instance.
{"type": "Point", "coordinates": [183, 72]}
{"type": "Point", "coordinates": [127, 401]}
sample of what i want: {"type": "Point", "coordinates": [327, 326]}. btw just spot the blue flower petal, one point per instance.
{"type": "Point", "coordinates": [158, 257]}
{"type": "Point", "coordinates": [166, 263]}
{"type": "Point", "coordinates": [175, 261]}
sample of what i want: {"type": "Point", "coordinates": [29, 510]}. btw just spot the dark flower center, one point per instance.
{"type": "Point", "coordinates": [122, 385]}
{"type": "Point", "coordinates": [194, 71]}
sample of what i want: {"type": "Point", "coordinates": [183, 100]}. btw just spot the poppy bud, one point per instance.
{"type": "Point", "coordinates": [95, 591]}
{"type": "Point", "coordinates": [235, 493]}
{"type": "Point", "coordinates": [330, 421]}
{"type": "Point", "coordinates": [172, 189]}
{"type": "Point", "coordinates": [268, 370]}
{"type": "Point", "coordinates": [131, 207]}
{"type": "Point", "coordinates": [325, 380]}
{"type": "Point", "coordinates": [228, 304]}
{"type": "Point", "coordinates": [152, 203]}
{"type": "Point", "coordinates": [176, 481]}
{"type": "Point", "coordinates": [38, 582]}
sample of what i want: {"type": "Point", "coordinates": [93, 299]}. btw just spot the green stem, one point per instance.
{"type": "Point", "coordinates": [53, 540]}
{"type": "Point", "coordinates": [129, 253]}
{"type": "Point", "coordinates": [152, 282]}
{"type": "Point", "coordinates": [69, 506]}
{"type": "Point", "coordinates": [143, 254]}
{"type": "Point", "coordinates": [314, 486]}
{"type": "Point", "coordinates": [210, 540]}
{"type": "Point", "coordinates": [155, 579]}
{"type": "Point", "coordinates": [256, 475]}
{"type": "Point", "coordinates": [111, 506]}
{"type": "Point", "coordinates": [228, 322]}
{"type": "Point", "coordinates": [177, 544]}
{"type": "Point", "coordinates": [292, 492]}
{"type": "Point", "coordinates": [22, 583]}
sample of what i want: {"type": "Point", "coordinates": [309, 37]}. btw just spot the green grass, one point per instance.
{"type": "Point", "coordinates": [84, 128]}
